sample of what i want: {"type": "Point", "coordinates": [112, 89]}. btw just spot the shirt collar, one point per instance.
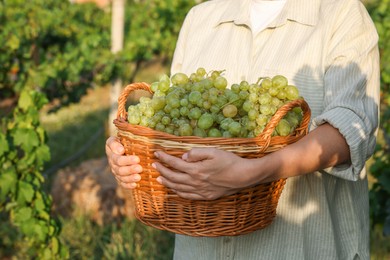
{"type": "Point", "coordinates": [301, 11]}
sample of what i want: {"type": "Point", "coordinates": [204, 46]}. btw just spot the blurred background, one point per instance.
{"type": "Point", "coordinates": [62, 66]}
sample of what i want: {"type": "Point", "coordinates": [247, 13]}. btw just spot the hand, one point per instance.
{"type": "Point", "coordinates": [126, 169]}
{"type": "Point", "coordinates": [202, 173]}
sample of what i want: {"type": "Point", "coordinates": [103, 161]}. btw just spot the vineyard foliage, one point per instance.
{"type": "Point", "coordinates": [380, 168]}
{"type": "Point", "coordinates": [53, 51]}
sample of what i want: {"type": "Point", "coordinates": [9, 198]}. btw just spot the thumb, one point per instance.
{"type": "Point", "coordinates": [198, 154]}
{"type": "Point", "coordinates": [115, 146]}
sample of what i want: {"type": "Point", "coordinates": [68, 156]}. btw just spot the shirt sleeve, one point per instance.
{"type": "Point", "coordinates": [351, 81]}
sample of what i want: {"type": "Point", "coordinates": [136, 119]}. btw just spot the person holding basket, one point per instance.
{"type": "Point", "coordinates": [328, 49]}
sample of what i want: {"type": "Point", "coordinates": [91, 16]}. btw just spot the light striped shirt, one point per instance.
{"type": "Point", "coordinates": [328, 49]}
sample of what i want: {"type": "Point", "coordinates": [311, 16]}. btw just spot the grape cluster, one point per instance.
{"type": "Point", "coordinates": [202, 105]}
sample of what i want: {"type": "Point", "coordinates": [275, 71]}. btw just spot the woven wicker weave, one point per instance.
{"type": "Point", "coordinates": [241, 213]}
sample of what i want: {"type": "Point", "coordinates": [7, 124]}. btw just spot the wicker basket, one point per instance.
{"type": "Point", "coordinates": [241, 213]}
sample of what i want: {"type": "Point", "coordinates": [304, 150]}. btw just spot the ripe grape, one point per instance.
{"type": "Point", "coordinates": [205, 105]}
{"type": "Point", "coordinates": [230, 110]}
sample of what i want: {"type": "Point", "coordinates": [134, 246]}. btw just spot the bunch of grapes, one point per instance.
{"type": "Point", "coordinates": [201, 105]}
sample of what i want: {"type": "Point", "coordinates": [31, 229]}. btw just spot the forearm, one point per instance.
{"type": "Point", "coordinates": [321, 148]}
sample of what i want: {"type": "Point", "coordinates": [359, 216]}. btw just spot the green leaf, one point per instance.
{"type": "Point", "coordinates": [26, 138]}
{"type": "Point", "coordinates": [8, 180]}
{"type": "Point", "coordinates": [43, 154]}
{"type": "Point", "coordinates": [41, 230]}
{"type": "Point", "coordinates": [25, 101]}
{"type": "Point", "coordinates": [28, 227]}
{"type": "Point", "coordinates": [22, 215]}
{"type": "Point", "coordinates": [26, 192]}
{"type": "Point", "coordinates": [55, 245]}
{"type": "Point", "coordinates": [3, 144]}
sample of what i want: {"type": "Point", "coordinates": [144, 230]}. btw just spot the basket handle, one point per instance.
{"type": "Point", "coordinates": [122, 113]}
{"type": "Point", "coordinates": [280, 113]}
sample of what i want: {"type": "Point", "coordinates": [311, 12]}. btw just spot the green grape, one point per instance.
{"type": "Point", "coordinates": [194, 96]}
{"type": "Point", "coordinates": [184, 111]}
{"type": "Point", "coordinates": [273, 91]}
{"type": "Point", "coordinates": [213, 99]}
{"type": "Point", "coordinates": [149, 112]}
{"type": "Point", "coordinates": [254, 88]}
{"type": "Point", "coordinates": [230, 110]}
{"type": "Point", "coordinates": [220, 82]}
{"type": "Point", "coordinates": [253, 114]}
{"type": "Point", "coordinates": [165, 120]}
{"type": "Point", "coordinates": [226, 134]}
{"type": "Point", "coordinates": [250, 125]}
{"type": "Point", "coordinates": [214, 132]}
{"type": "Point", "coordinates": [179, 78]}
{"type": "Point", "coordinates": [244, 132]}
{"type": "Point", "coordinates": [151, 122]}
{"type": "Point", "coordinates": [206, 105]}
{"type": "Point", "coordinates": [243, 94]}
{"type": "Point", "coordinates": [154, 86]}
{"type": "Point", "coordinates": [160, 127]}
{"type": "Point", "coordinates": [145, 100]}
{"type": "Point", "coordinates": [222, 100]}
{"type": "Point", "coordinates": [185, 130]}
{"type": "Point", "coordinates": [251, 134]}
{"type": "Point", "coordinates": [167, 109]}
{"type": "Point", "coordinates": [281, 94]}
{"type": "Point", "coordinates": [214, 109]}
{"type": "Point", "coordinates": [143, 121]}
{"type": "Point", "coordinates": [207, 83]}
{"type": "Point", "coordinates": [199, 132]}
{"type": "Point", "coordinates": [293, 119]}
{"type": "Point", "coordinates": [292, 92]}
{"type": "Point", "coordinates": [266, 109]}
{"type": "Point", "coordinates": [244, 85]}
{"type": "Point", "coordinates": [198, 86]}
{"type": "Point", "coordinates": [201, 72]}
{"type": "Point", "coordinates": [213, 92]}
{"type": "Point", "coordinates": [234, 128]}
{"type": "Point", "coordinates": [225, 123]}
{"type": "Point", "coordinates": [247, 106]}
{"type": "Point", "coordinates": [258, 130]}
{"type": "Point", "coordinates": [279, 82]}
{"type": "Point", "coordinates": [194, 77]}
{"type": "Point", "coordinates": [159, 93]}
{"type": "Point", "coordinates": [235, 88]}
{"type": "Point", "coordinates": [134, 118]}
{"type": "Point", "coordinates": [184, 102]}
{"type": "Point", "coordinates": [175, 113]}
{"type": "Point", "coordinates": [195, 113]}
{"type": "Point", "coordinates": [169, 129]}
{"type": "Point", "coordinates": [253, 97]}
{"type": "Point", "coordinates": [205, 121]}
{"type": "Point", "coordinates": [219, 118]}
{"type": "Point", "coordinates": [158, 103]}
{"type": "Point", "coordinates": [265, 98]}
{"type": "Point", "coordinates": [262, 120]}
{"type": "Point", "coordinates": [283, 128]}
{"type": "Point", "coordinates": [276, 102]}
{"type": "Point", "coordinates": [163, 86]}
{"type": "Point", "coordinates": [215, 74]}
{"type": "Point", "coordinates": [266, 83]}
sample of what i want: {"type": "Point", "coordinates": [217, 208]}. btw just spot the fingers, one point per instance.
{"type": "Point", "coordinates": [173, 161]}
{"type": "Point", "coordinates": [114, 146]}
{"type": "Point", "coordinates": [125, 168]}
{"type": "Point", "coordinates": [199, 154]}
